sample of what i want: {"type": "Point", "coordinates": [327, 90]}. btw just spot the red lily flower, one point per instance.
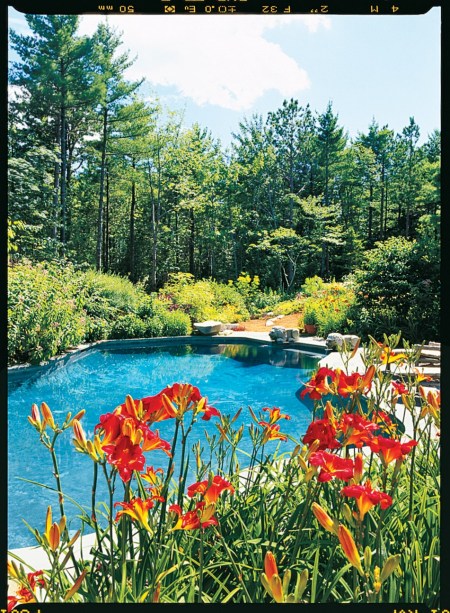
{"type": "Point", "coordinates": [24, 594]}
{"type": "Point", "coordinates": [332, 466]}
{"type": "Point", "coordinates": [357, 430]}
{"type": "Point", "coordinates": [210, 491]}
{"type": "Point", "coordinates": [399, 387]}
{"type": "Point", "coordinates": [366, 497]}
{"type": "Point", "coordinates": [207, 410]}
{"type": "Point", "coordinates": [350, 384]}
{"type": "Point", "coordinates": [318, 385]}
{"type": "Point", "coordinates": [323, 431]}
{"type": "Point", "coordinates": [390, 449]}
{"type": "Point", "coordinates": [125, 456]}
{"type": "Point", "coordinates": [201, 517]}
{"type": "Point", "coordinates": [111, 425]}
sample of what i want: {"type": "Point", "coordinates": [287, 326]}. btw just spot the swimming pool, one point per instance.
{"type": "Point", "coordinates": [230, 375]}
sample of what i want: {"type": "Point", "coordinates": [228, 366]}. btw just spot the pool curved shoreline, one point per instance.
{"type": "Point", "coordinates": [23, 371]}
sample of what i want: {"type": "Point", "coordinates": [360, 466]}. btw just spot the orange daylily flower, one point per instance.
{"type": "Point", "coordinates": [322, 431]}
{"type": "Point", "coordinates": [126, 457]}
{"type": "Point", "coordinates": [110, 426]}
{"type": "Point", "coordinates": [318, 385]}
{"type": "Point", "coordinates": [332, 465]}
{"type": "Point", "coordinates": [421, 376]}
{"type": "Point", "coordinates": [271, 432]}
{"type": "Point", "coordinates": [137, 509]}
{"type": "Point", "coordinates": [192, 520]}
{"type": "Point", "coordinates": [24, 594]}
{"type": "Point", "coordinates": [351, 384]}
{"type": "Point", "coordinates": [356, 429]}
{"type": "Point", "coordinates": [388, 356]}
{"type": "Point", "coordinates": [275, 414]}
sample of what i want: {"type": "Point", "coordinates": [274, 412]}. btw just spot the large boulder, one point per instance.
{"type": "Point", "coordinates": [335, 340]}
{"type": "Point", "coordinates": [278, 334]}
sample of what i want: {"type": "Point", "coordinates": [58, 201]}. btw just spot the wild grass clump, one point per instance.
{"type": "Point", "coordinates": [349, 513]}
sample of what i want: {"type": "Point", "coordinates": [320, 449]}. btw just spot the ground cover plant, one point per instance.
{"type": "Point", "coordinates": [350, 514]}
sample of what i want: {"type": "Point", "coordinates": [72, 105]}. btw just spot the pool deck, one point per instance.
{"type": "Point", "coordinates": [35, 558]}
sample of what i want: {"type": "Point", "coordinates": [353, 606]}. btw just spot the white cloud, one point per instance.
{"type": "Point", "coordinates": [219, 60]}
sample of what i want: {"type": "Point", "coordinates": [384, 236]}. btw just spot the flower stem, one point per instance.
{"type": "Point", "coordinates": [200, 576]}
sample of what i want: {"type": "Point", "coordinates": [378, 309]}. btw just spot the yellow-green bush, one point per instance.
{"type": "Point", "coordinates": [205, 299]}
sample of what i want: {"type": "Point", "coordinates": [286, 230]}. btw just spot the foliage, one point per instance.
{"type": "Point", "coordinates": [44, 312]}
{"type": "Point", "coordinates": [349, 515]}
{"type": "Point", "coordinates": [312, 285]}
{"type": "Point", "coordinates": [398, 287]}
{"type": "Point", "coordinates": [52, 307]}
{"type": "Point", "coordinates": [328, 306]}
{"type": "Point", "coordinates": [205, 299]}
{"type": "Point", "coordinates": [287, 307]}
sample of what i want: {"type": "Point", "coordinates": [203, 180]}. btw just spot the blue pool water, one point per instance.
{"type": "Point", "coordinates": [231, 376]}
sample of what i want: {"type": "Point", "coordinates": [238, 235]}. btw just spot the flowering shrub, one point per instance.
{"type": "Point", "coordinates": [349, 515]}
{"type": "Point", "coordinates": [328, 308]}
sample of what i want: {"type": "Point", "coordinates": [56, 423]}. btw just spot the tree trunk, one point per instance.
{"type": "Point", "coordinates": [132, 225]}
{"type": "Point", "coordinates": [370, 221]}
{"type": "Point", "coordinates": [191, 241]}
{"type": "Point", "coordinates": [56, 191]}
{"type": "Point", "coordinates": [63, 176]}
{"type": "Point", "coordinates": [99, 258]}
{"type": "Point", "coordinates": [106, 261]}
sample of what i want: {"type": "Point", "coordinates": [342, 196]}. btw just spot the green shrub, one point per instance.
{"type": "Point", "coordinates": [329, 309]}
{"type": "Point", "coordinates": [312, 285]}
{"type": "Point", "coordinates": [256, 301]}
{"type": "Point", "coordinates": [44, 312]}
{"type": "Point", "coordinates": [205, 299]}
{"type": "Point", "coordinates": [52, 307]}
{"type": "Point", "coordinates": [398, 287]}
{"type": "Point", "coordinates": [109, 291]}
{"type": "Point", "coordinates": [128, 326]}
{"type": "Point", "coordinates": [176, 323]}
{"type": "Point", "coordinates": [287, 307]}
{"type": "Point", "coordinates": [96, 329]}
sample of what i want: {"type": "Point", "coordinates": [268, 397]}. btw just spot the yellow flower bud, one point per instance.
{"type": "Point", "coordinates": [389, 566]}
{"type": "Point", "coordinates": [368, 558]}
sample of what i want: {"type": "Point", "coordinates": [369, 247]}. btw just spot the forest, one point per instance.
{"type": "Point", "coordinates": [105, 179]}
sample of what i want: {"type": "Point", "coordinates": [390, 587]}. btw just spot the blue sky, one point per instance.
{"type": "Point", "coordinates": [218, 69]}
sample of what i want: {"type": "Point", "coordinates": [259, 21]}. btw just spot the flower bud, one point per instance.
{"type": "Point", "coordinates": [286, 580]}
{"type": "Point", "coordinates": [376, 579]}
{"type": "Point", "coordinates": [301, 584]}
{"type": "Point", "coordinates": [323, 518]}
{"type": "Point", "coordinates": [48, 417]}
{"type": "Point", "coordinates": [367, 558]}
{"type": "Point", "coordinates": [358, 468]}
{"type": "Point", "coordinates": [389, 566]}
{"type": "Point", "coordinates": [349, 548]}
